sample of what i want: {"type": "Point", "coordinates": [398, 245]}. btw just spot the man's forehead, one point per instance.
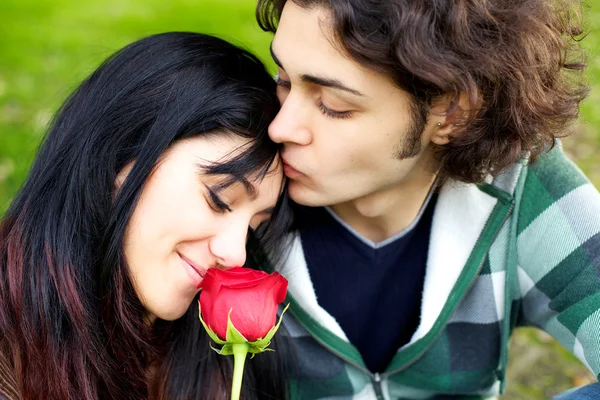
{"type": "Point", "coordinates": [311, 26]}
{"type": "Point", "coordinates": [305, 46]}
{"type": "Point", "coordinates": [305, 39]}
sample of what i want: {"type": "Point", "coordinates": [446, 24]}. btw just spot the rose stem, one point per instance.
{"type": "Point", "coordinates": [239, 358]}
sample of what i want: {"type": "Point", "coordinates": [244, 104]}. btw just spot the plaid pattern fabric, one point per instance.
{"type": "Point", "coordinates": [559, 257]}
{"type": "Point", "coordinates": [523, 249]}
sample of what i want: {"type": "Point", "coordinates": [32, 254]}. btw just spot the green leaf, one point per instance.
{"type": "Point", "coordinates": [210, 332]}
{"type": "Point", "coordinates": [258, 350]}
{"type": "Point", "coordinates": [215, 349]}
{"type": "Point", "coordinates": [233, 335]}
{"type": "Point", "coordinates": [264, 342]}
{"type": "Point", "coordinates": [227, 350]}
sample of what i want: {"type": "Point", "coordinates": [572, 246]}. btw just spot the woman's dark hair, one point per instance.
{"type": "Point", "coordinates": [70, 321]}
{"type": "Point", "coordinates": [517, 61]}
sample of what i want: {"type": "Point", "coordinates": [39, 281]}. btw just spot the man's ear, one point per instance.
{"type": "Point", "coordinates": [450, 115]}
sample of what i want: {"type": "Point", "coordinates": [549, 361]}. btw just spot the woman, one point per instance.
{"type": "Point", "coordinates": [157, 168]}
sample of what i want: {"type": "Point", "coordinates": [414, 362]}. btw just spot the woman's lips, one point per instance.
{"type": "Point", "coordinates": [194, 272]}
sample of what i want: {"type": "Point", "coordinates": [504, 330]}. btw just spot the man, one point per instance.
{"type": "Point", "coordinates": [438, 212]}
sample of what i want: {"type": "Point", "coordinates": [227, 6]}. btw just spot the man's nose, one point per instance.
{"type": "Point", "coordinates": [291, 125]}
{"type": "Point", "coordinates": [229, 245]}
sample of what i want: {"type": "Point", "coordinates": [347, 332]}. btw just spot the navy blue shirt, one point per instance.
{"type": "Point", "coordinates": [373, 290]}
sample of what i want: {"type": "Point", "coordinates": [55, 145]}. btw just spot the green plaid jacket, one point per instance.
{"type": "Point", "coordinates": [522, 249]}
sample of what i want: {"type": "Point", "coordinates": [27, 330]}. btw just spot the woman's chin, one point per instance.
{"type": "Point", "coordinates": [171, 312]}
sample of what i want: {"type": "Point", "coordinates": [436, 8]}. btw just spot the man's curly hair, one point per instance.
{"type": "Point", "coordinates": [518, 61]}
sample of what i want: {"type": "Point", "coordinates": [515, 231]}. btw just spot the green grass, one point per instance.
{"type": "Point", "coordinates": [585, 144]}
{"type": "Point", "coordinates": [48, 47]}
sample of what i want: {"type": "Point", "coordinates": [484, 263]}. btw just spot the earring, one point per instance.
{"type": "Point", "coordinates": [439, 124]}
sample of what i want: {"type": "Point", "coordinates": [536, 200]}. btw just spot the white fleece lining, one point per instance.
{"type": "Point", "coordinates": [300, 286]}
{"type": "Point", "coordinates": [459, 217]}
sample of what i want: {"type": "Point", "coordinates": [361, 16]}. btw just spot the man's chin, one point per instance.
{"type": "Point", "coordinates": [307, 196]}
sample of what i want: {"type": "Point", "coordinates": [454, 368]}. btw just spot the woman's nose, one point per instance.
{"type": "Point", "coordinates": [229, 245]}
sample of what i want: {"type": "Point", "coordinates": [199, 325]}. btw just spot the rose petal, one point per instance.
{"type": "Point", "coordinates": [256, 321]}
{"type": "Point", "coordinates": [210, 292]}
{"type": "Point", "coordinates": [280, 285]}
{"type": "Point", "coordinates": [257, 314]}
{"type": "Point", "coordinates": [237, 275]}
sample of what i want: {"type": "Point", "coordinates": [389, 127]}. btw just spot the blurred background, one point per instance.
{"type": "Point", "coordinates": [47, 47]}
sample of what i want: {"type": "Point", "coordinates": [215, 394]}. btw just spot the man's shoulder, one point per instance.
{"type": "Point", "coordinates": [556, 173]}
{"type": "Point", "coordinates": [558, 201]}
{"type": "Point", "coordinates": [554, 180]}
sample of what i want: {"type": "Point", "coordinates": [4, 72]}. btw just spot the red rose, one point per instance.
{"type": "Point", "coordinates": [251, 295]}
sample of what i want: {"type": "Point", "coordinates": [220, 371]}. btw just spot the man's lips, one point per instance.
{"type": "Point", "coordinates": [290, 171]}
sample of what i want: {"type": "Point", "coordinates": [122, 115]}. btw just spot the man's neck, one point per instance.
{"type": "Point", "coordinates": [384, 213]}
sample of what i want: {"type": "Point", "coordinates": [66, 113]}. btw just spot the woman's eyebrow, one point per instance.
{"type": "Point", "coordinates": [249, 187]}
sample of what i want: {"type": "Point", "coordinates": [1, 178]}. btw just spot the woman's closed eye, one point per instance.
{"type": "Point", "coordinates": [282, 82]}
{"type": "Point", "coordinates": [216, 203]}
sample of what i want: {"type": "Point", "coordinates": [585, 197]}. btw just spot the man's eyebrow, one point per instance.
{"type": "Point", "coordinates": [332, 83]}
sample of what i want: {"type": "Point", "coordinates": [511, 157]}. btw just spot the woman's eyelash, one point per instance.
{"type": "Point", "coordinates": [332, 113]}
{"type": "Point", "coordinates": [217, 203]}
{"type": "Point", "coordinates": [281, 82]}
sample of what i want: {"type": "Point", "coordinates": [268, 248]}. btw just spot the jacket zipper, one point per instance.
{"type": "Point", "coordinates": [375, 377]}
{"type": "Point", "coordinates": [377, 386]}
